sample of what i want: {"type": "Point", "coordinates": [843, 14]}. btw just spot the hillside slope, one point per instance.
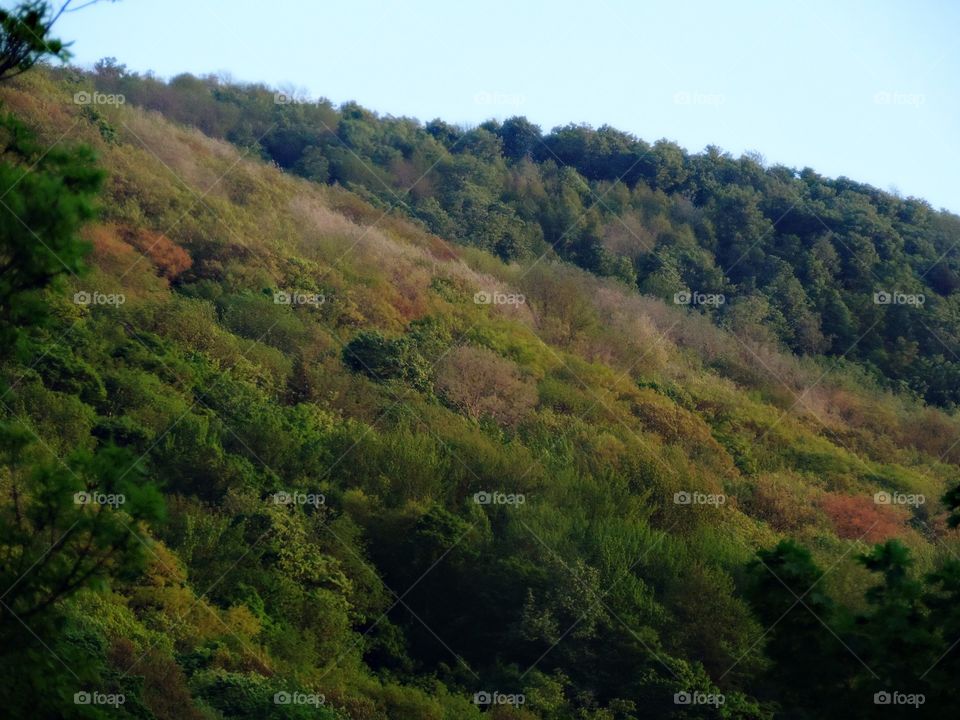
{"type": "Point", "coordinates": [399, 471]}
{"type": "Point", "coordinates": [823, 266]}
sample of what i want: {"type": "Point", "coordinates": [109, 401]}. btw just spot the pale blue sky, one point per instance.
{"type": "Point", "coordinates": [870, 90]}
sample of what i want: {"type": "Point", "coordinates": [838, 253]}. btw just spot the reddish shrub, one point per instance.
{"type": "Point", "coordinates": [170, 258]}
{"type": "Point", "coordinates": [858, 517]}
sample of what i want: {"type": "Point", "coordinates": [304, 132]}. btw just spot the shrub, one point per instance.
{"type": "Point", "coordinates": [781, 502]}
{"type": "Point", "coordinates": [170, 258]}
{"type": "Point", "coordinates": [480, 383]}
{"type": "Point", "coordinates": [857, 517]}
{"type": "Point", "coordinates": [381, 359]}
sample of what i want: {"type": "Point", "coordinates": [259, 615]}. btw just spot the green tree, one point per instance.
{"type": "Point", "coordinates": [381, 358]}
{"type": "Point", "coordinates": [25, 36]}
{"type": "Point", "coordinates": [895, 639]}
{"type": "Point", "coordinates": [808, 670]}
{"type": "Point", "coordinates": [520, 137]}
{"type": "Point", "coordinates": [49, 195]}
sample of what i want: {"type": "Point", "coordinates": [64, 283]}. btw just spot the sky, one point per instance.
{"type": "Point", "coordinates": [868, 90]}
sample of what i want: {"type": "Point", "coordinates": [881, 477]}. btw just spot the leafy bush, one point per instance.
{"type": "Point", "coordinates": [482, 384]}
{"type": "Point", "coordinates": [381, 359]}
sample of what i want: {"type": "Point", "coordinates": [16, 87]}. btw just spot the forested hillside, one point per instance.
{"type": "Point", "coordinates": [302, 417]}
{"type": "Point", "coordinates": [824, 267]}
